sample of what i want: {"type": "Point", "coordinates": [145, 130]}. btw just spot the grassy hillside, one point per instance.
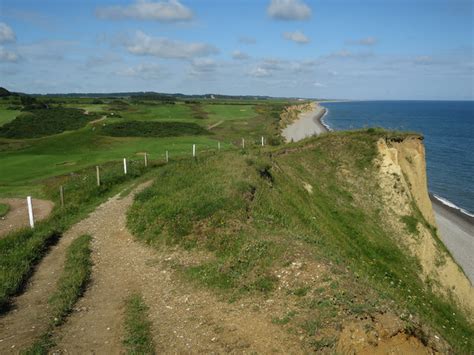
{"type": "Point", "coordinates": [318, 204]}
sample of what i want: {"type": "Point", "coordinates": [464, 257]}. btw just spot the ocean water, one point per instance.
{"type": "Point", "coordinates": [448, 128]}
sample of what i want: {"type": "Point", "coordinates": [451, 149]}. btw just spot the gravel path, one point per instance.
{"type": "Point", "coordinates": [185, 319]}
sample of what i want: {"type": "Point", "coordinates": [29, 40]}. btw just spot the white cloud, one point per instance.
{"type": "Point", "coordinates": [319, 85]}
{"type": "Point", "coordinates": [367, 41]}
{"type": "Point", "coordinates": [289, 10]}
{"type": "Point", "coordinates": [6, 33]}
{"type": "Point", "coordinates": [143, 71]}
{"type": "Point", "coordinates": [260, 72]}
{"type": "Point", "coordinates": [143, 44]}
{"type": "Point", "coordinates": [346, 54]}
{"type": "Point", "coordinates": [238, 55]}
{"type": "Point", "coordinates": [297, 36]}
{"type": "Point", "coordinates": [163, 11]}
{"type": "Point", "coordinates": [8, 56]}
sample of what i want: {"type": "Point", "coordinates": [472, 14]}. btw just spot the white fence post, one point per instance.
{"type": "Point", "coordinates": [218, 145]}
{"type": "Point", "coordinates": [97, 171]}
{"type": "Point", "coordinates": [125, 166]}
{"type": "Point", "coordinates": [30, 212]}
{"type": "Point", "coordinates": [167, 156]}
{"type": "Point", "coordinates": [243, 143]}
{"type": "Point", "coordinates": [61, 195]}
{"type": "Point", "coordinates": [194, 150]}
{"type": "Point", "coordinates": [146, 160]}
{"type": "Point", "coordinates": [263, 142]}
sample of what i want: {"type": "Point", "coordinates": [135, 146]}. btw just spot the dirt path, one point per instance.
{"type": "Point", "coordinates": [28, 318]}
{"type": "Point", "coordinates": [184, 319]}
{"type": "Point", "coordinates": [215, 125]}
{"type": "Point", "coordinates": [17, 217]}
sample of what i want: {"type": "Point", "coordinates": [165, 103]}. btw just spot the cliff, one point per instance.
{"type": "Point", "coordinates": [402, 176]}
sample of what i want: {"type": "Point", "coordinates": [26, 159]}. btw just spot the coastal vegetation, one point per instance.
{"type": "Point", "coordinates": [304, 225]}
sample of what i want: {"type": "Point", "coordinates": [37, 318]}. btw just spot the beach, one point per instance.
{"type": "Point", "coordinates": [455, 228]}
{"type": "Point", "coordinates": [308, 124]}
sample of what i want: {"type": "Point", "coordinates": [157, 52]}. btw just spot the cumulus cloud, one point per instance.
{"type": "Point", "coordinates": [6, 33]}
{"type": "Point", "coordinates": [143, 71]}
{"type": "Point", "coordinates": [297, 36]}
{"type": "Point", "coordinates": [367, 41]}
{"type": "Point", "coordinates": [319, 85]}
{"type": "Point", "coordinates": [8, 56]}
{"type": "Point", "coordinates": [238, 55]}
{"type": "Point", "coordinates": [163, 11]}
{"type": "Point", "coordinates": [143, 44]}
{"type": "Point", "coordinates": [289, 10]}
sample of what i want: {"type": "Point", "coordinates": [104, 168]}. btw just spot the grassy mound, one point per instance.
{"type": "Point", "coordinates": [45, 122]}
{"type": "Point", "coordinates": [153, 129]}
{"type": "Point", "coordinates": [258, 213]}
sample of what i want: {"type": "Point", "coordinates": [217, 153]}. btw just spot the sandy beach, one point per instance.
{"type": "Point", "coordinates": [308, 124]}
{"type": "Point", "coordinates": [456, 229]}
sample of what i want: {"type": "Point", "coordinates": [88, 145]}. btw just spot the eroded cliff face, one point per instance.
{"type": "Point", "coordinates": [402, 177]}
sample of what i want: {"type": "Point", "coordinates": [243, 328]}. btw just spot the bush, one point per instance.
{"type": "Point", "coordinates": [45, 122]}
{"type": "Point", "coordinates": [153, 129]}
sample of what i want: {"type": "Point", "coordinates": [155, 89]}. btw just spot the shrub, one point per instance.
{"type": "Point", "coordinates": [153, 129]}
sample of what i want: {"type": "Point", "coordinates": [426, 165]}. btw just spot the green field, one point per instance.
{"type": "Point", "coordinates": [7, 115]}
{"type": "Point", "coordinates": [26, 163]}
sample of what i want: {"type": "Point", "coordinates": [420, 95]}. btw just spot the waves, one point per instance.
{"type": "Point", "coordinates": [448, 203]}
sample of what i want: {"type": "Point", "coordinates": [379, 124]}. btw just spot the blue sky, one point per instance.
{"type": "Point", "coordinates": [376, 49]}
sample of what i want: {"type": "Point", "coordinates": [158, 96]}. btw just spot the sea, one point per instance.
{"type": "Point", "coordinates": [448, 130]}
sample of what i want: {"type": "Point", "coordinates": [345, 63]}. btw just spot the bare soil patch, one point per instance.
{"type": "Point", "coordinates": [17, 217]}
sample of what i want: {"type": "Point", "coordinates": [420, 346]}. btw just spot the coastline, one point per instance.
{"type": "Point", "coordinates": [308, 124]}
{"type": "Point", "coordinates": [455, 228]}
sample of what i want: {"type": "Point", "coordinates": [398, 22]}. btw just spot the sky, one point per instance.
{"type": "Point", "coordinates": [340, 49]}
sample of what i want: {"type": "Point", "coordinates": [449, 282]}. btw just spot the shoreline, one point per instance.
{"type": "Point", "coordinates": [308, 124]}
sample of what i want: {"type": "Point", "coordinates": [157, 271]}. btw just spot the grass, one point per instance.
{"type": "Point", "coordinates": [21, 250]}
{"type": "Point", "coordinates": [73, 281]}
{"type": "Point", "coordinates": [4, 209]}
{"type": "Point", "coordinates": [71, 285]}
{"type": "Point", "coordinates": [138, 338]}
{"type": "Point", "coordinates": [248, 208]}
{"type": "Point", "coordinates": [7, 115]}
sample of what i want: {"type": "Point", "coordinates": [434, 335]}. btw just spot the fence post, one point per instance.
{"type": "Point", "coordinates": [218, 145]}
{"type": "Point", "coordinates": [243, 143]}
{"type": "Point", "coordinates": [263, 142]}
{"type": "Point", "coordinates": [97, 172]}
{"type": "Point", "coordinates": [125, 166]}
{"type": "Point", "coordinates": [146, 160]}
{"type": "Point", "coordinates": [194, 150]}
{"type": "Point", "coordinates": [30, 212]}
{"type": "Point", "coordinates": [167, 157]}
{"type": "Point", "coordinates": [61, 195]}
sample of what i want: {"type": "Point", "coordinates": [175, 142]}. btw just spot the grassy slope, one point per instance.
{"type": "Point", "coordinates": [250, 210]}
{"type": "Point", "coordinates": [7, 115]}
